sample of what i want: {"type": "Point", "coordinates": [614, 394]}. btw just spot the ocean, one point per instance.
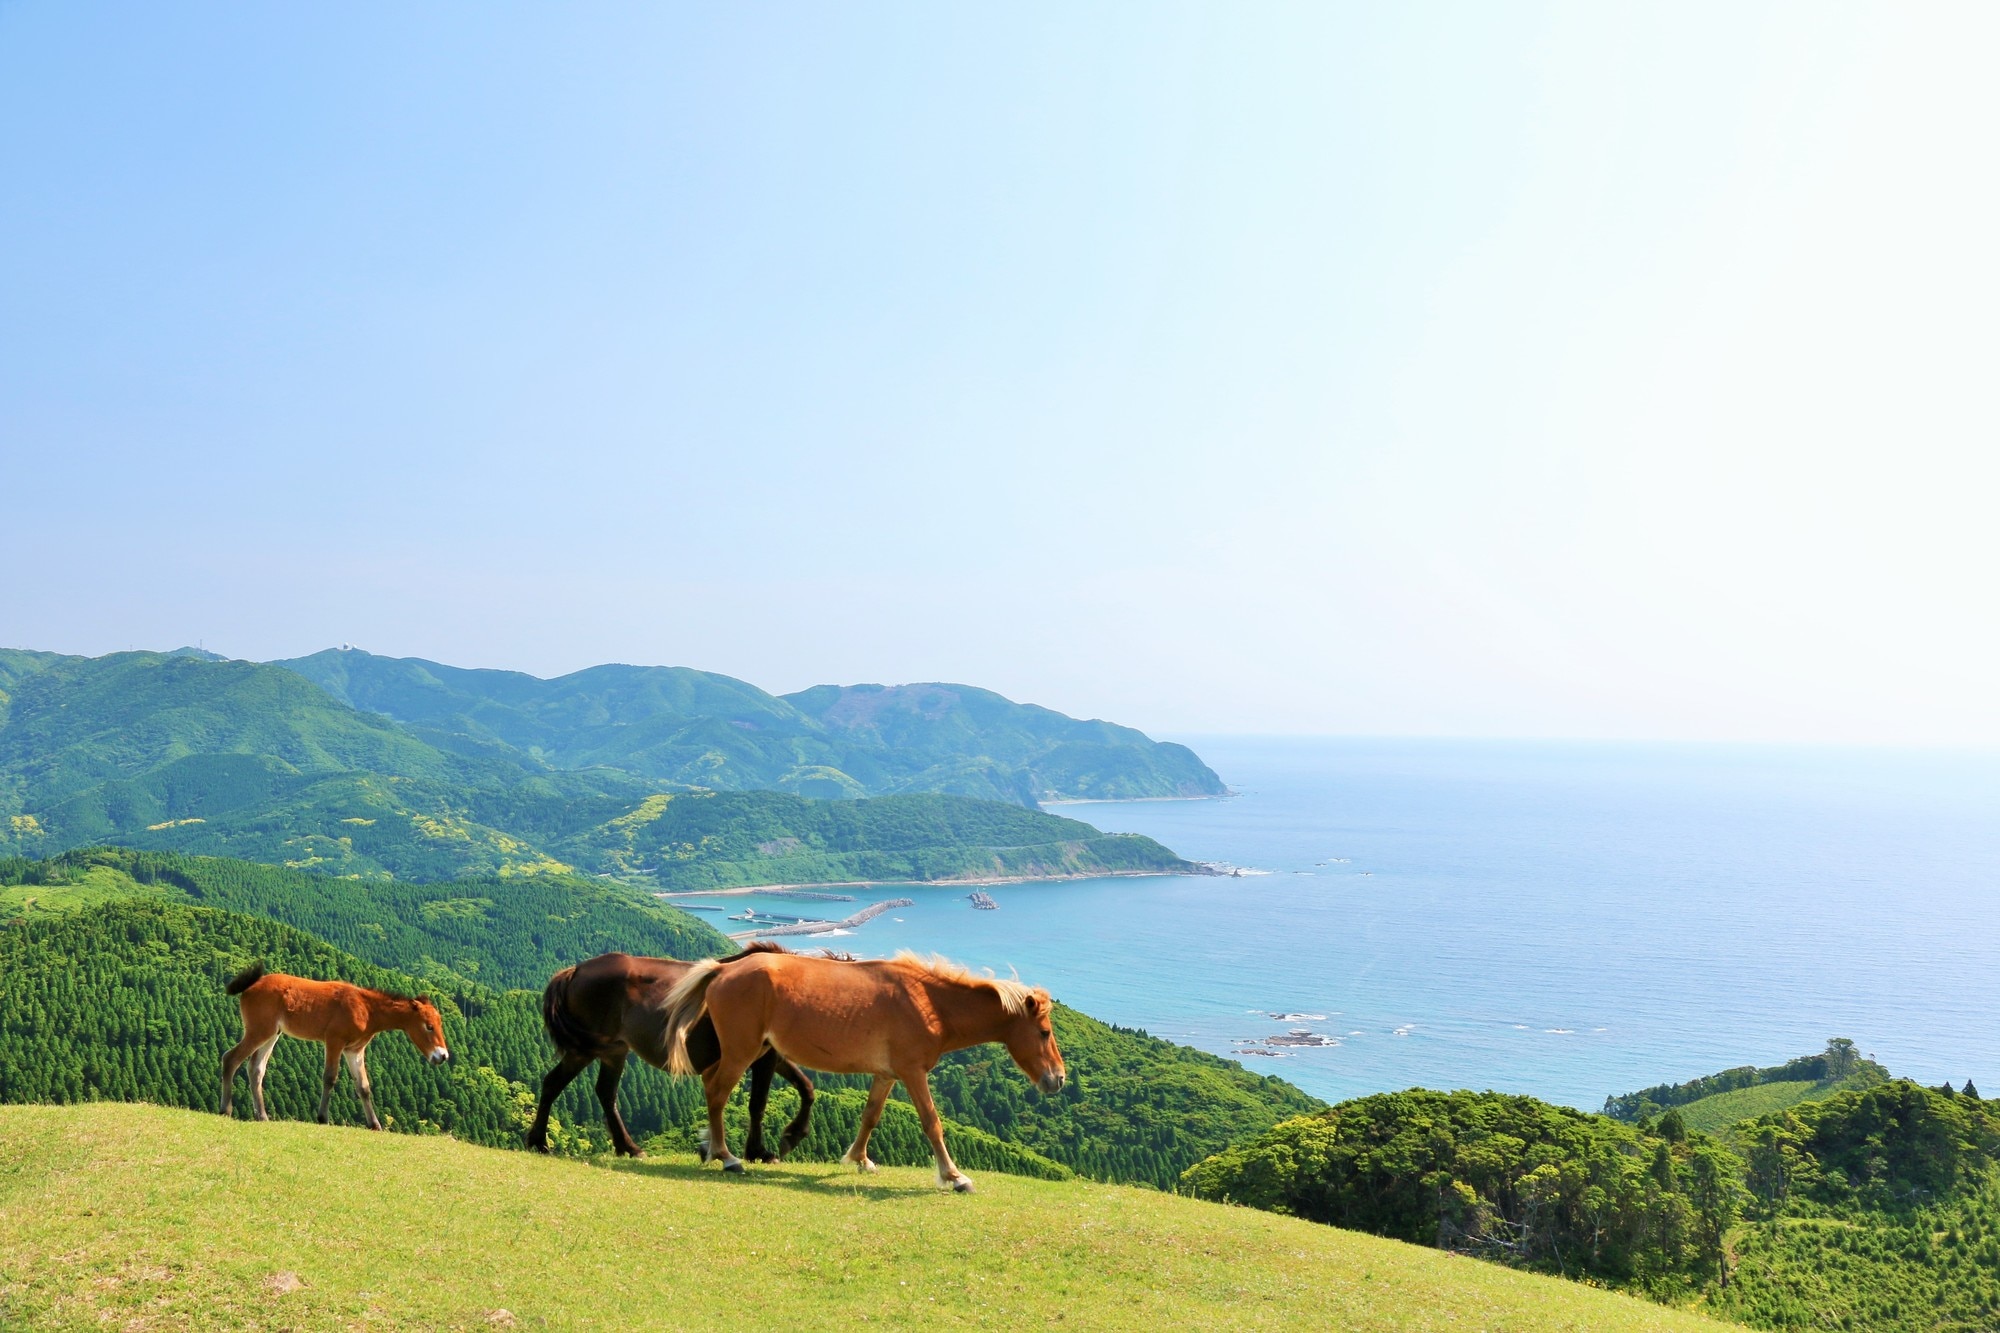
{"type": "Point", "coordinates": [1569, 920]}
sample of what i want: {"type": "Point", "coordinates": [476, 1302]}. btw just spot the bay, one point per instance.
{"type": "Point", "coordinates": [1566, 920]}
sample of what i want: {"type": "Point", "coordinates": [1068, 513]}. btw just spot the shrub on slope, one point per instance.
{"type": "Point", "coordinates": [1507, 1177]}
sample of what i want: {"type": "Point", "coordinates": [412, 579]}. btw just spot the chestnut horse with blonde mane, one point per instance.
{"type": "Point", "coordinates": [892, 1018]}
{"type": "Point", "coordinates": [343, 1017]}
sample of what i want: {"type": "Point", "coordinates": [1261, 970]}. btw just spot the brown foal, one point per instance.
{"type": "Point", "coordinates": [893, 1019]}
{"type": "Point", "coordinates": [344, 1018]}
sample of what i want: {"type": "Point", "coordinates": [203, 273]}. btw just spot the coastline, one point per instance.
{"type": "Point", "coordinates": [975, 881]}
{"type": "Point", "coordinates": [1131, 800]}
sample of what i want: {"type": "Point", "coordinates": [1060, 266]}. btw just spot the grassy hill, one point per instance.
{"type": "Point", "coordinates": [173, 752]}
{"type": "Point", "coordinates": [698, 728]}
{"type": "Point", "coordinates": [140, 1217]}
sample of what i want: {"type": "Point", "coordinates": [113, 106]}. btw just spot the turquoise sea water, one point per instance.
{"type": "Point", "coordinates": [1567, 920]}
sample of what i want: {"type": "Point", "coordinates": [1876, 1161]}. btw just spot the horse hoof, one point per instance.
{"type": "Point", "coordinates": [733, 1166]}
{"type": "Point", "coordinates": [961, 1186]}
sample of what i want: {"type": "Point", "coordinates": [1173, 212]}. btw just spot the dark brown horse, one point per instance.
{"type": "Point", "coordinates": [614, 1005]}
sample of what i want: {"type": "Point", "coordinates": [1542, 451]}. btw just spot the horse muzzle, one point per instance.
{"type": "Point", "coordinates": [439, 1056]}
{"type": "Point", "coordinates": [1052, 1082]}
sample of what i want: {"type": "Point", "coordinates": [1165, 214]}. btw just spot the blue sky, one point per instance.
{"type": "Point", "coordinates": [1476, 370]}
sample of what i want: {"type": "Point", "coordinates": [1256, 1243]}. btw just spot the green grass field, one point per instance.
{"type": "Point", "coordinates": [94, 885]}
{"type": "Point", "coordinates": [1712, 1115]}
{"type": "Point", "coordinates": [137, 1217]}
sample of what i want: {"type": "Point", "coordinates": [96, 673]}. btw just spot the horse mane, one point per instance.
{"type": "Point", "coordinates": [1015, 997]}
{"type": "Point", "coordinates": [755, 946]}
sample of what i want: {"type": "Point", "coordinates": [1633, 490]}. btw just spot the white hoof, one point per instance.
{"type": "Point", "coordinates": [961, 1185]}
{"type": "Point", "coordinates": [733, 1165]}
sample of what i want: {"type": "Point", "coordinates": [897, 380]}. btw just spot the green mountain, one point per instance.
{"type": "Point", "coordinates": [965, 737]}
{"type": "Point", "coordinates": [698, 728]}
{"type": "Point", "coordinates": [112, 964]}
{"type": "Point", "coordinates": [173, 752]}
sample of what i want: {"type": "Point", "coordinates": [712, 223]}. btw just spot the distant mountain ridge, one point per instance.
{"type": "Point", "coordinates": [710, 730]}
{"type": "Point", "coordinates": [179, 752]}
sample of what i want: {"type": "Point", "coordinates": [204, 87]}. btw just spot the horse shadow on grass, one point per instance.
{"type": "Point", "coordinates": [834, 1177]}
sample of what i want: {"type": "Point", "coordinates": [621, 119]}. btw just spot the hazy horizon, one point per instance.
{"type": "Point", "coordinates": [1547, 372]}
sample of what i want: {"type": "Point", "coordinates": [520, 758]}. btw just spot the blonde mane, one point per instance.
{"type": "Point", "coordinates": [1015, 998]}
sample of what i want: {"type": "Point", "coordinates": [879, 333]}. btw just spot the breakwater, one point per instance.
{"type": "Point", "coordinates": [795, 926]}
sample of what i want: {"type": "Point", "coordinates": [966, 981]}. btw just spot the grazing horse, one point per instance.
{"type": "Point", "coordinates": [343, 1017]}
{"type": "Point", "coordinates": [614, 1005]}
{"type": "Point", "coordinates": [893, 1019]}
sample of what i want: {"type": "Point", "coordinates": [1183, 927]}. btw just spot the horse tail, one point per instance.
{"type": "Point", "coordinates": [569, 1036]}
{"type": "Point", "coordinates": [685, 1003]}
{"type": "Point", "coordinates": [244, 980]}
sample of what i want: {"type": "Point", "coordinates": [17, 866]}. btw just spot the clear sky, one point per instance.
{"type": "Point", "coordinates": [1580, 370]}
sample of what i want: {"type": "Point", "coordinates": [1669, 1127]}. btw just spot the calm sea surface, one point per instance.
{"type": "Point", "coordinates": [1567, 920]}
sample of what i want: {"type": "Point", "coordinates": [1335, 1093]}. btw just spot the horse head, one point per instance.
{"type": "Point", "coordinates": [1030, 1037]}
{"type": "Point", "coordinates": [426, 1029]}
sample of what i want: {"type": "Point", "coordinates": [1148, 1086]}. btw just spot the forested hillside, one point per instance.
{"type": "Point", "coordinates": [708, 730]}
{"type": "Point", "coordinates": [712, 839]}
{"type": "Point", "coordinates": [510, 933]}
{"type": "Point", "coordinates": [172, 752]}
{"type": "Point", "coordinates": [111, 977]}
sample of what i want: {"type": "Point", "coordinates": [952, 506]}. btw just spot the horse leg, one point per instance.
{"type": "Point", "coordinates": [357, 1065]}
{"type": "Point", "coordinates": [760, 1096]}
{"type": "Point", "coordinates": [796, 1131]}
{"type": "Point", "coordinates": [609, 1070]}
{"type": "Point", "coordinates": [717, 1082]}
{"type": "Point", "coordinates": [232, 1060]}
{"type": "Point", "coordinates": [259, 1061]}
{"type": "Point", "coordinates": [553, 1084]}
{"type": "Point", "coordinates": [259, 1030]}
{"type": "Point", "coordinates": [877, 1095]}
{"type": "Point", "coordinates": [332, 1077]}
{"type": "Point", "coordinates": [918, 1081]}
